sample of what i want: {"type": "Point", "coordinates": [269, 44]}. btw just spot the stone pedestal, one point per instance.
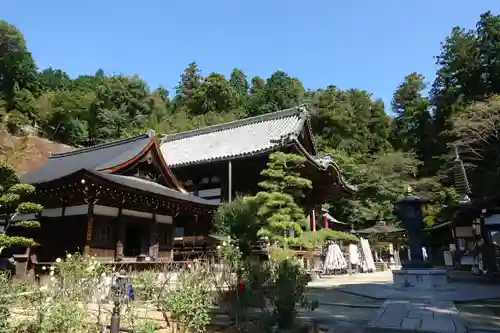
{"type": "Point", "coordinates": [420, 278]}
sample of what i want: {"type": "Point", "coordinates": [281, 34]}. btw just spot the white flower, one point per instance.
{"type": "Point", "coordinates": [44, 268]}
{"type": "Point", "coordinates": [68, 256]}
{"type": "Point", "coordinates": [51, 273]}
{"type": "Point", "coordinates": [52, 268]}
{"type": "Point", "coordinates": [58, 260]}
{"type": "Point", "coordinates": [224, 243]}
{"type": "Point", "coordinates": [103, 274]}
{"type": "Point", "coordinates": [218, 247]}
{"type": "Point", "coordinates": [189, 265]}
{"type": "Point", "coordinates": [52, 279]}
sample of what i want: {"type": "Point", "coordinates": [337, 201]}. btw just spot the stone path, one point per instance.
{"type": "Point", "coordinates": [456, 292]}
{"type": "Point", "coordinates": [417, 316]}
{"type": "Point", "coordinates": [481, 317]}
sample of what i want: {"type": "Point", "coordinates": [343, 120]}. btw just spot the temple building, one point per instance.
{"type": "Point", "coordinates": [221, 161]}
{"type": "Point", "coordinates": [150, 198]}
{"type": "Point", "coordinates": [117, 201]}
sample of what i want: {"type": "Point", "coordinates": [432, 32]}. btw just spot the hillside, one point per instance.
{"type": "Point", "coordinates": [28, 152]}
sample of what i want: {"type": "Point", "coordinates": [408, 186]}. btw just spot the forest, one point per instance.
{"type": "Point", "coordinates": [381, 153]}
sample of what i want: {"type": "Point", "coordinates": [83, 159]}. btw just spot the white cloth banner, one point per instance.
{"type": "Point", "coordinates": [365, 246]}
{"type": "Point", "coordinates": [334, 258]}
{"type": "Point", "coordinates": [353, 254]}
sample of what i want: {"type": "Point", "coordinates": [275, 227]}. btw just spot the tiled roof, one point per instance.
{"type": "Point", "coordinates": [234, 139]}
{"type": "Point", "coordinates": [98, 157]}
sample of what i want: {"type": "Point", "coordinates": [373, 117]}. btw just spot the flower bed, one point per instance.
{"type": "Point", "coordinates": [76, 296]}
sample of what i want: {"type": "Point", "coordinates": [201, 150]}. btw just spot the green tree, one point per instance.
{"type": "Point", "coordinates": [281, 92]}
{"type": "Point", "coordinates": [120, 105]}
{"type": "Point", "coordinates": [15, 199]}
{"type": "Point", "coordinates": [17, 67]}
{"type": "Point", "coordinates": [190, 80]}
{"type": "Point", "coordinates": [349, 121]}
{"type": "Point", "coordinates": [282, 219]}
{"type": "Point", "coordinates": [238, 219]}
{"type": "Point", "coordinates": [213, 94]}
{"type": "Point", "coordinates": [468, 71]}
{"type": "Point", "coordinates": [239, 82]}
{"type": "Point", "coordinates": [51, 79]}
{"type": "Point", "coordinates": [63, 115]}
{"type": "Point", "coordinates": [411, 127]}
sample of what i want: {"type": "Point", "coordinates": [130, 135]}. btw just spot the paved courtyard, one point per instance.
{"type": "Point", "coordinates": [344, 312]}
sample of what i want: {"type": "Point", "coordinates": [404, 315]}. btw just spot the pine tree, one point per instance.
{"type": "Point", "coordinates": [14, 200]}
{"type": "Point", "coordinates": [282, 218]}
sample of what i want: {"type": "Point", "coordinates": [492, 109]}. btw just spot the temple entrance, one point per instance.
{"type": "Point", "coordinates": [134, 240]}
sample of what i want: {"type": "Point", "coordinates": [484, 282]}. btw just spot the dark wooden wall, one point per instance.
{"type": "Point", "coordinates": [245, 175]}
{"type": "Point", "coordinates": [58, 236]}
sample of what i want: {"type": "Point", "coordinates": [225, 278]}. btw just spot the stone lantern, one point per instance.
{"type": "Point", "coordinates": [415, 273]}
{"type": "Point", "coordinates": [409, 211]}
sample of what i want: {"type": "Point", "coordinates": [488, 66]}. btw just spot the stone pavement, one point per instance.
{"type": "Point", "coordinates": [456, 292]}
{"type": "Point", "coordinates": [351, 302]}
{"type": "Point", "coordinates": [417, 316]}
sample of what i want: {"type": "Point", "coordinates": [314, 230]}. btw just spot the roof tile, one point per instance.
{"type": "Point", "coordinates": [238, 138]}
{"type": "Point", "coordinates": [93, 158]}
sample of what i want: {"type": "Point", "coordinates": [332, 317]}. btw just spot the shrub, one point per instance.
{"type": "Point", "coordinates": [189, 300]}
{"type": "Point", "coordinates": [283, 287]}
{"type": "Point", "coordinates": [15, 122]}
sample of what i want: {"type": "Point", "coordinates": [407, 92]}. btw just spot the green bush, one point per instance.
{"type": "Point", "coordinates": [281, 286]}
{"type": "Point", "coordinates": [16, 121]}
{"type": "Point", "coordinates": [188, 301]}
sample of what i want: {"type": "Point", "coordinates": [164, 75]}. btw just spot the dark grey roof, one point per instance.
{"type": "Point", "coordinates": [234, 139]}
{"type": "Point", "coordinates": [98, 157]}
{"type": "Point", "coordinates": [152, 187]}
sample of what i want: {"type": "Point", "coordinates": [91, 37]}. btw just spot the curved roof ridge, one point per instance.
{"type": "Point", "coordinates": [300, 111]}
{"type": "Point", "coordinates": [141, 136]}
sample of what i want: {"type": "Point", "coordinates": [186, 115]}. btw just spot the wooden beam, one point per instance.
{"type": "Point", "coordinates": [90, 223]}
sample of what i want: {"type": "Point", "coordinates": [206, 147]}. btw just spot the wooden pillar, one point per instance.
{"type": "Point", "coordinates": [153, 239]}
{"type": "Point", "coordinates": [90, 223]}
{"type": "Point", "coordinates": [313, 220]}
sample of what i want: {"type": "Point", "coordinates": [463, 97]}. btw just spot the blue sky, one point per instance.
{"type": "Point", "coordinates": [365, 44]}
